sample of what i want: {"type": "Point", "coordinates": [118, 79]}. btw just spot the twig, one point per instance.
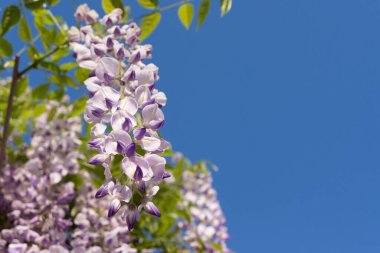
{"type": "Point", "coordinates": [22, 50]}
{"type": "Point", "coordinates": [4, 141]}
{"type": "Point", "coordinates": [36, 62]}
{"type": "Point", "coordinates": [55, 22]}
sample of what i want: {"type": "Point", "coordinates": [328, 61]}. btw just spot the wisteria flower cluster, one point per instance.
{"type": "Point", "coordinates": [207, 224]}
{"type": "Point", "coordinates": [38, 197]}
{"type": "Point", "coordinates": [125, 108]}
{"type": "Point", "coordinates": [93, 232]}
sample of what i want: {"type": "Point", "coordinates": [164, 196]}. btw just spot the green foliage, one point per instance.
{"type": "Point", "coordinates": [81, 74]}
{"type": "Point", "coordinates": [24, 31]}
{"type": "Point", "coordinates": [41, 91]}
{"type": "Point", "coordinates": [34, 4]}
{"type": "Point", "coordinates": [185, 14]}
{"type": "Point", "coordinates": [109, 5]}
{"type": "Point", "coordinates": [10, 18]}
{"type": "Point", "coordinates": [149, 24]}
{"type": "Point", "coordinates": [61, 80]}
{"type": "Point", "coordinates": [78, 107]}
{"type": "Point", "coordinates": [225, 6]}
{"type": "Point", "coordinates": [148, 4]}
{"type": "Point", "coordinates": [21, 87]}
{"type": "Point", "coordinates": [6, 49]}
{"type": "Point", "coordinates": [53, 2]}
{"type": "Point", "coordinates": [76, 179]}
{"type": "Point", "coordinates": [203, 12]}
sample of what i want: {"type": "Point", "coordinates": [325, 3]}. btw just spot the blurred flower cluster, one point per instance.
{"type": "Point", "coordinates": [125, 108]}
{"type": "Point", "coordinates": [207, 224]}
{"type": "Point", "coordinates": [93, 232]}
{"type": "Point", "coordinates": [38, 196]}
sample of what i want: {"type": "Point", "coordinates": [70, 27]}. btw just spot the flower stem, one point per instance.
{"type": "Point", "coordinates": [4, 141]}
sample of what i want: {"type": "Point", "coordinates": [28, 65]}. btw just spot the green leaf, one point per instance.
{"type": "Point", "coordinates": [202, 12]}
{"type": "Point", "coordinates": [185, 14]}
{"type": "Point", "coordinates": [34, 4]}
{"type": "Point", "coordinates": [10, 18]}
{"type": "Point", "coordinates": [24, 31]}
{"type": "Point", "coordinates": [68, 66]}
{"type": "Point", "coordinates": [52, 2]}
{"type": "Point", "coordinates": [148, 24]}
{"type": "Point", "coordinates": [109, 5]}
{"type": "Point", "coordinates": [52, 113]}
{"type": "Point", "coordinates": [78, 107]}
{"type": "Point", "coordinates": [225, 6]}
{"type": "Point", "coordinates": [57, 94]}
{"type": "Point", "coordinates": [33, 53]}
{"type": "Point", "coordinates": [41, 91]}
{"type": "Point", "coordinates": [21, 87]}
{"type": "Point", "coordinates": [50, 66]}
{"type": "Point", "coordinates": [81, 74]}
{"type": "Point", "coordinates": [62, 80]}
{"type": "Point", "coordinates": [38, 110]}
{"type": "Point", "coordinates": [148, 4]}
{"type": "Point", "coordinates": [6, 48]}
{"type": "Point", "coordinates": [47, 34]}
{"type": "Point", "coordinates": [75, 178]}
{"type": "Point", "coordinates": [217, 246]}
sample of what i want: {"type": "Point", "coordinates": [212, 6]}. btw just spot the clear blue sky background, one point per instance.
{"type": "Point", "coordinates": [284, 96]}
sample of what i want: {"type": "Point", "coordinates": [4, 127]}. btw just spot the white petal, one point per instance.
{"type": "Point", "coordinates": [150, 144]}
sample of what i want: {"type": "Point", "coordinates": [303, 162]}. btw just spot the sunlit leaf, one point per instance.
{"type": "Point", "coordinates": [81, 74]}
{"type": "Point", "coordinates": [202, 12]}
{"type": "Point", "coordinates": [225, 6]}
{"type": "Point", "coordinates": [41, 91]}
{"type": "Point", "coordinates": [38, 110]}
{"type": "Point", "coordinates": [21, 86]}
{"type": "Point", "coordinates": [52, 2]}
{"type": "Point", "coordinates": [6, 48]}
{"type": "Point", "coordinates": [52, 113]}
{"type": "Point", "coordinates": [149, 24]}
{"type": "Point", "coordinates": [148, 4]}
{"type": "Point", "coordinates": [57, 94]}
{"type": "Point", "coordinates": [68, 66]}
{"type": "Point", "coordinates": [33, 53]}
{"type": "Point", "coordinates": [62, 80]}
{"type": "Point", "coordinates": [78, 106]}
{"type": "Point", "coordinates": [109, 5]}
{"type": "Point", "coordinates": [10, 18]}
{"type": "Point", "coordinates": [50, 66]}
{"type": "Point", "coordinates": [24, 31]}
{"type": "Point", "coordinates": [185, 14]}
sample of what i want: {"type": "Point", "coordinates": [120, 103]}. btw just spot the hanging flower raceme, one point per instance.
{"type": "Point", "coordinates": [93, 232]}
{"type": "Point", "coordinates": [39, 198]}
{"type": "Point", "coordinates": [207, 224]}
{"type": "Point", "coordinates": [124, 107]}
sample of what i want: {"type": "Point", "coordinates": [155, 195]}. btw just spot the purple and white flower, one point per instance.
{"type": "Point", "coordinates": [125, 107]}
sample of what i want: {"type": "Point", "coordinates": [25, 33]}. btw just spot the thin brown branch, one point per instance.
{"type": "Point", "coordinates": [36, 62]}
{"type": "Point", "coordinates": [7, 118]}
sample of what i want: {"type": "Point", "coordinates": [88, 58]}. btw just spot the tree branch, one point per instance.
{"type": "Point", "coordinates": [4, 141]}
{"type": "Point", "coordinates": [36, 62]}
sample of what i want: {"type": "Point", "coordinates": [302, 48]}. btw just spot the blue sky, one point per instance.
{"type": "Point", "coordinates": [284, 96]}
